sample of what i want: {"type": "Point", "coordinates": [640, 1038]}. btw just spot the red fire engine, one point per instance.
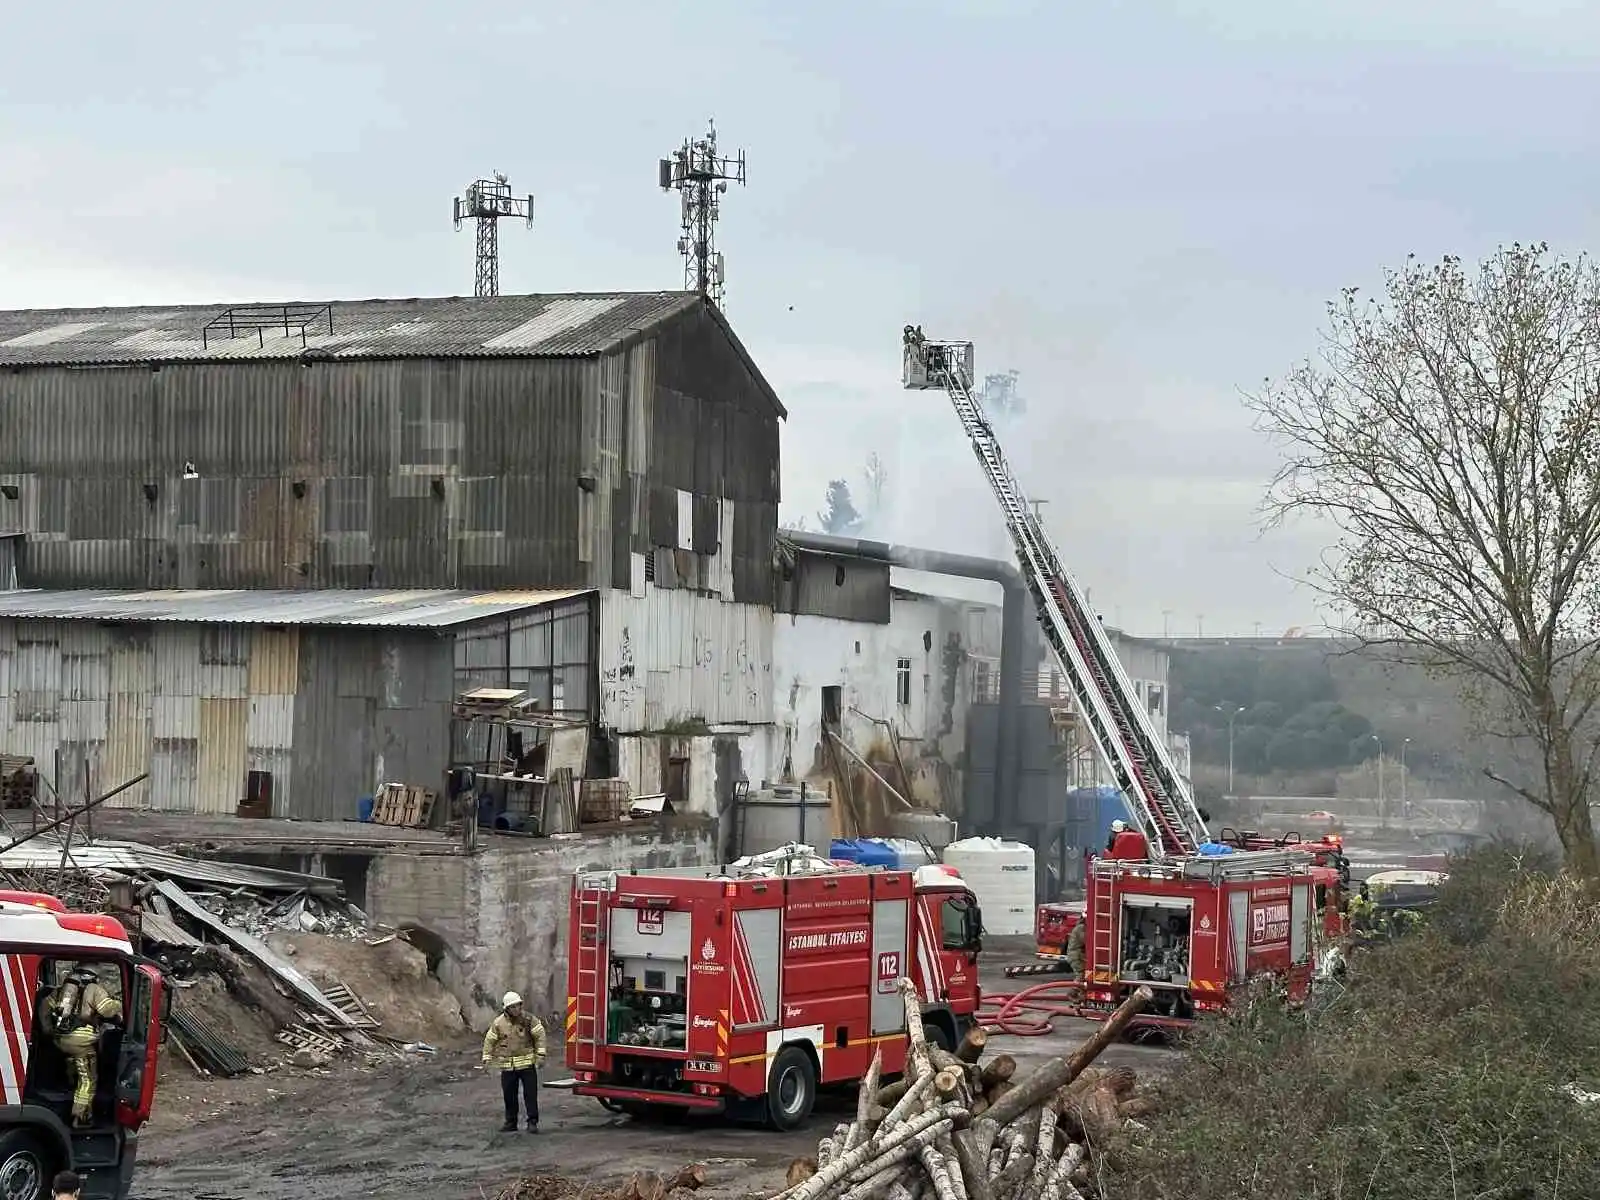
{"type": "Point", "coordinates": [40, 944]}
{"type": "Point", "coordinates": [744, 992]}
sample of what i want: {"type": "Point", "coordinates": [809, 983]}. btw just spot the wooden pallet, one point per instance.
{"type": "Point", "coordinates": [404, 805]}
{"type": "Point", "coordinates": [350, 1005]}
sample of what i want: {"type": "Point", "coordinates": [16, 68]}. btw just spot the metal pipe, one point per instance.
{"type": "Point", "coordinates": [887, 786]}
{"type": "Point", "coordinates": [1013, 633]}
{"type": "Point", "coordinates": [74, 814]}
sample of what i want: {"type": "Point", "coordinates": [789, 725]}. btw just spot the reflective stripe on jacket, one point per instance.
{"type": "Point", "coordinates": [514, 1045]}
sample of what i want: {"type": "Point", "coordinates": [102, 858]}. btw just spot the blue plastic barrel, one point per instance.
{"type": "Point", "coordinates": [869, 852]}
{"type": "Point", "coordinates": [364, 808]}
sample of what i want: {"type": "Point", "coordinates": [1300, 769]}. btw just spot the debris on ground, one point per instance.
{"type": "Point", "coordinates": [329, 984]}
{"type": "Point", "coordinates": [956, 1127]}
{"type": "Point", "coordinates": [641, 1185]}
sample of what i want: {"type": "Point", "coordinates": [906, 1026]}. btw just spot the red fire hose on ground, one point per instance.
{"type": "Point", "coordinates": [1028, 1013]}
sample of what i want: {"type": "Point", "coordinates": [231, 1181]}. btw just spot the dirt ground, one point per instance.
{"type": "Point", "coordinates": [427, 1125]}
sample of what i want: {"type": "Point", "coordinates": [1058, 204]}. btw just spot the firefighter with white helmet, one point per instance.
{"type": "Point", "coordinates": [516, 1044]}
{"type": "Point", "coordinates": [1117, 827]}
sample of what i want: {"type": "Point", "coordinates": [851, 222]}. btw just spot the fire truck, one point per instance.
{"type": "Point", "coordinates": [744, 989]}
{"type": "Point", "coordinates": [1194, 916]}
{"type": "Point", "coordinates": [41, 943]}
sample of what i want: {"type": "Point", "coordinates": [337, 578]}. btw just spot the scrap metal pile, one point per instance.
{"type": "Point", "coordinates": [956, 1128]}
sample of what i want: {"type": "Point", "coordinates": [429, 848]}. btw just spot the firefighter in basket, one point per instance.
{"type": "Point", "coordinates": [76, 1013]}
{"type": "Point", "coordinates": [516, 1044]}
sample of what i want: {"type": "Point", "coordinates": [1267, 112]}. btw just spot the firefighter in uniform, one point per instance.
{"type": "Point", "coordinates": [515, 1043]}
{"type": "Point", "coordinates": [78, 1008]}
{"type": "Point", "coordinates": [1075, 942]}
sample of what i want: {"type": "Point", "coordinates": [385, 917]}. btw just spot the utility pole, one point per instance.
{"type": "Point", "coordinates": [1232, 716]}
{"type": "Point", "coordinates": [1405, 799]}
{"type": "Point", "coordinates": [701, 177]}
{"type": "Point", "coordinates": [486, 201]}
{"type": "Point", "coordinates": [1383, 809]}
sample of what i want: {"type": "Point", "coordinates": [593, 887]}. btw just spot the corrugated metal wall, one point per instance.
{"type": "Point", "coordinates": [672, 658]}
{"type": "Point", "coordinates": [820, 585]}
{"type": "Point", "coordinates": [330, 713]}
{"type": "Point", "coordinates": [474, 473]}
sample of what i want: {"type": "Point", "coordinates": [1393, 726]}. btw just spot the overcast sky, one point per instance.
{"type": "Point", "coordinates": [1140, 207]}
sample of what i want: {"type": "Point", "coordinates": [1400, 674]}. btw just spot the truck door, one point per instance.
{"type": "Point", "coordinates": [145, 1016]}
{"type": "Point", "coordinates": [1300, 924]}
{"type": "Point", "coordinates": [889, 959]}
{"type": "Point", "coordinates": [1239, 930]}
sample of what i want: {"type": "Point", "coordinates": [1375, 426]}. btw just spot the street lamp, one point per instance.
{"type": "Point", "coordinates": [1405, 801]}
{"type": "Point", "coordinates": [1383, 809]}
{"type": "Point", "coordinates": [1231, 716]}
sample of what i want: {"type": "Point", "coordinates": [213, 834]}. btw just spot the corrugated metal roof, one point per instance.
{"type": "Point", "coordinates": [132, 858]}
{"type": "Point", "coordinates": [417, 609]}
{"type": "Point", "coordinates": [447, 327]}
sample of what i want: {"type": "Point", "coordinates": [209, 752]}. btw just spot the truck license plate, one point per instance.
{"type": "Point", "coordinates": [706, 1066]}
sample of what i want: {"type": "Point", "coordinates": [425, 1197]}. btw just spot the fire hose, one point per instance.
{"type": "Point", "coordinates": [1028, 1013]}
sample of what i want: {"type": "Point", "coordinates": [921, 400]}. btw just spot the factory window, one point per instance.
{"type": "Point", "coordinates": [484, 505]}
{"type": "Point", "coordinates": [902, 681]}
{"type": "Point", "coordinates": [980, 679]}
{"type": "Point", "coordinates": [346, 505]}
{"type": "Point", "coordinates": [1155, 696]}
{"type": "Point", "coordinates": [224, 645]}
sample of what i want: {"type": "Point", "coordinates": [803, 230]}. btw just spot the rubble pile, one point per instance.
{"type": "Point", "coordinates": [260, 915]}
{"type": "Point", "coordinates": [958, 1128]}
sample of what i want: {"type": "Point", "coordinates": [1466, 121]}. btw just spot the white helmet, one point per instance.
{"type": "Point", "coordinates": [509, 999]}
{"type": "Point", "coordinates": [1118, 826]}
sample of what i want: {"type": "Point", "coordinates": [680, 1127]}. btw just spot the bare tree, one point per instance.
{"type": "Point", "coordinates": [1451, 431]}
{"type": "Point", "coordinates": [876, 477]}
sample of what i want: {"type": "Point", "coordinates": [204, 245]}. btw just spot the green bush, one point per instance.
{"type": "Point", "coordinates": [1438, 1070]}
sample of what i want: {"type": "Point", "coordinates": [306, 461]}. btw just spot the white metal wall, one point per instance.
{"type": "Point", "coordinates": [673, 657]}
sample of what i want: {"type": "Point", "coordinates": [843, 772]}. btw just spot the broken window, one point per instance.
{"type": "Point", "coordinates": [902, 681]}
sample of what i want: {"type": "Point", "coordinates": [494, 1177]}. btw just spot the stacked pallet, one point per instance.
{"type": "Point", "coordinates": [405, 805]}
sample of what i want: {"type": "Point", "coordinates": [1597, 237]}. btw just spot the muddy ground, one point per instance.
{"type": "Point", "coordinates": [430, 1124]}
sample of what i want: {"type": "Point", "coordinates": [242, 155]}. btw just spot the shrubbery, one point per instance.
{"type": "Point", "coordinates": [1442, 1067]}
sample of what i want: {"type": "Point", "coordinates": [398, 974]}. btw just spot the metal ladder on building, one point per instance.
{"type": "Point", "coordinates": [593, 979]}
{"type": "Point", "coordinates": [1158, 799]}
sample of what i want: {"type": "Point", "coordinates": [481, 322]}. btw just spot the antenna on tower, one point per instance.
{"type": "Point", "coordinates": [486, 201]}
{"type": "Point", "coordinates": [695, 171]}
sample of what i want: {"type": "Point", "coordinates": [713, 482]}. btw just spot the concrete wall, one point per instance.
{"type": "Point", "coordinates": [917, 671]}
{"type": "Point", "coordinates": [501, 915]}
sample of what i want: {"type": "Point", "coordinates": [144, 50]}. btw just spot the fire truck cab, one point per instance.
{"type": "Point", "coordinates": [41, 943]}
{"type": "Point", "coordinates": [745, 990]}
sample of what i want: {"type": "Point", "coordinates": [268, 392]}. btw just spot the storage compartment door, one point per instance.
{"type": "Point", "coordinates": [1300, 924]}
{"type": "Point", "coordinates": [1239, 929]}
{"type": "Point", "coordinates": [888, 965]}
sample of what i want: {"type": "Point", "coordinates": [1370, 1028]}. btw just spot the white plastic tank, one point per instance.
{"type": "Point", "coordinates": [1000, 874]}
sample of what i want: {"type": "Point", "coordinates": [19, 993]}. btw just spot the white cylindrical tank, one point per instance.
{"type": "Point", "coordinates": [1000, 874]}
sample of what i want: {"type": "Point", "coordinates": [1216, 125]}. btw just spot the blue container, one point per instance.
{"type": "Point", "coordinates": [364, 808]}
{"type": "Point", "coordinates": [869, 852]}
{"type": "Point", "coordinates": [1090, 812]}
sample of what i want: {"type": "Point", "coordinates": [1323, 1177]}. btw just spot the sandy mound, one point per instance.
{"type": "Point", "coordinates": [391, 979]}
{"type": "Point", "coordinates": [249, 1031]}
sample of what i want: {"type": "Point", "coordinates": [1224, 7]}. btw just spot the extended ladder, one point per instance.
{"type": "Point", "coordinates": [1158, 799]}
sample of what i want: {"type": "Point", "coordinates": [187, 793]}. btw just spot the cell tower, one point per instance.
{"type": "Point", "coordinates": [695, 171]}
{"type": "Point", "coordinates": [486, 202]}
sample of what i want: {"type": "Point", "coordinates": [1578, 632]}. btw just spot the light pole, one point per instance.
{"type": "Point", "coordinates": [1405, 799]}
{"type": "Point", "coordinates": [1231, 716]}
{"type": "Point", "coordinates": [1383, 813]}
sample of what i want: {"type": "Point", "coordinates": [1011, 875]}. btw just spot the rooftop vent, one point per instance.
{"type": "Point", "coordinates": [260, 318]}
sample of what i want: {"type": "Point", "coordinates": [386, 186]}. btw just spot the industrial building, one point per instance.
{"type": "Point", "coordinates": [623, 445]}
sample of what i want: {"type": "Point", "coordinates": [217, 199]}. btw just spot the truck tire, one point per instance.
{"type": "Point", "coordinates": [791, 1089]}
{"type": "Point", "coordinates": [26, 1167]}
{"type": "Point", "coordinates": [936, 1035]}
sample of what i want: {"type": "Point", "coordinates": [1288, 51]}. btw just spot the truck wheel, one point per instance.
{"type": "Point", "coordinates": [791, 1088]}
{"type": "Point", "coordinates": [935, 1034]}
{"type": "Point", "coordinates": [25, 1168]}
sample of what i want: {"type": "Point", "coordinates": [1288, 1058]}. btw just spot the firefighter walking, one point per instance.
{"type": "Point", "coordinates": [515, 1043]}
{"type": "Point", "coordinates": [78, 1009]}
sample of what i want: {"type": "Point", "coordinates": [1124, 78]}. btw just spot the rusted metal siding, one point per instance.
{"type": "Point", "coordinates": [826, 585]}
{"type": "Point", "coordinates": [673, 659]}
{"type": "Point", "coordinates": [408, 473]}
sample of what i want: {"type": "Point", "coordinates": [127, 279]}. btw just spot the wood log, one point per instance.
{"type": "Point", "coordinates": [889, 1094]}
{"type": "Point", "coordinates": [825, 1153]}
{"type": "Point", "coordinates": [909, 1103]}
{"type": "Point", "coordinates": [998, 1069]}
{"type": "Point", "coordinates": [971, 1048]}
{"type": "Point", "coordinates": [857, 1132]}
{"type": "Point", "coordinates": [898, 1144]}
{"type": "Point", "coordinates": [998, 1089]}
{"type": "Point", "coordinates": [974, 1170]}
{"type": "Point", "coordinates": [644, 1185]}
{"type": "Point", "coordinates": [1058, 1184]}
{"type": "Point", "coordinates": [947, 1083]}
{"type": "Point", "coordinates": [918, 1052]}
{"type": "Point", "coordinates": [1009, 1182]}
{"type": "Point", "coordinates": [879, 1183]}
{"type": "Point", "coordinates": [800, 1170]}
{"type": "Point", "coordinates": [939, 1173]}
{"type": "Point", "coordinates": [1058, 1073]}
{"type": "Point", "coordinates": [1044, 1156]}
{"type": "Point", "coordinates": [1093, 1115]}
{"type": "Point", "coordinates": [691, 1178]}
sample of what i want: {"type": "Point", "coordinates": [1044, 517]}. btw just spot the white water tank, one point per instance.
{"type": "Point", "coordinates": [1000, 874]}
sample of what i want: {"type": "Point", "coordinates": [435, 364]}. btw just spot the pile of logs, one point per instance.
{"type": "Point", "coordinates": [957, 1128]}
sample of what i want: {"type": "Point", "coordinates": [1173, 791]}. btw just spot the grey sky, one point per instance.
{"type": "Point", "coordinates": [1140, 208]}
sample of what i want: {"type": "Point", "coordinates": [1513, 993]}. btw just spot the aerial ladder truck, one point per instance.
{"type": "Point", "coordinates": [1138, 914]}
